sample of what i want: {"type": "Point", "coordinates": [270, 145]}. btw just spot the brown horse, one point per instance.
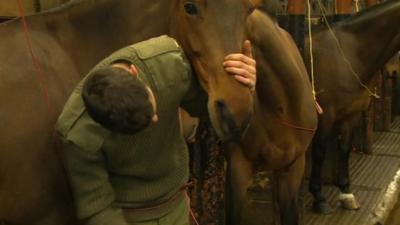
{"type": "Point", "coordinates": [280, 131]}
{"type": "Point", "coordinates": [368, 40]}
{"type": "Point", "coordinates": [67, 42]}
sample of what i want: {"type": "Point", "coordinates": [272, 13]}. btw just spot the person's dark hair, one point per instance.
{"type": "Point", "coordinates": [117, 100]}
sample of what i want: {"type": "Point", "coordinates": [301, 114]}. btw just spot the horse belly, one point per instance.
{"type": "Point", "coordinates": [33, 186]}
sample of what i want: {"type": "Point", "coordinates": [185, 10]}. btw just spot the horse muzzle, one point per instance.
{"type": "Point", "coordinates": [229, 127]}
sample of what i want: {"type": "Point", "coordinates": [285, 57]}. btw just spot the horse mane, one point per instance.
{"type": "Point", "coordinates": [269, 7]}
{"type": "Point", "coordinates": [61, 7]}
{"type": "Point", "coordinates": [366, 15]}
{"type": "Point", "coordinates": [280, 66]}
{"type": "Point", "coordinates": [64, 7]}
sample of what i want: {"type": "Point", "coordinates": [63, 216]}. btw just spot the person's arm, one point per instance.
{"type": "Point", "coordinates": [93, 194]}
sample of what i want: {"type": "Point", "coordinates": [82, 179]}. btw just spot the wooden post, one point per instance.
{"type": "Point", "coordinates": [396, 91]}
{"type": "Point", "coordinates": [37, 6]}
{"type": "Point", "coordinates": [371, 2]}
{"type": "Point", "coordinates": [378, 106]}
{"type": "Point", "coordinates": [296, 11]}
{"type": "Point", "coordinates": [369, 128]}
{"type": "Point", "coordinates": [296, 7]}
{"type": "Point", "coordinates": [387, 100]}
{"type": "Point", "coordinates": [344, 8]}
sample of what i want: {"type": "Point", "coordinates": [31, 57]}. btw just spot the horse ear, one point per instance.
{"type": "Point", "coordinates": [269, 6]}
{"type": "Point", "coordinates": [257, 3]}
{"type": "Point", "coordinates": [133, 69]}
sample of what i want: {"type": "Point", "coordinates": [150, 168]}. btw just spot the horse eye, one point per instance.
{"type": "Point", "coordinates": [251, 9]}
{"type": "Point", "coordinates": [191, 8]}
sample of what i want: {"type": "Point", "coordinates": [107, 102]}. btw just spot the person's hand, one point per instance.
{"type": "Point", "coordinates": [242, 66]}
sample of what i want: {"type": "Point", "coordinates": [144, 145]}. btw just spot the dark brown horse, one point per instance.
{"type": "Point", "coordinates": [280, 132]}
{"type": "Point", "coordinates": [368, 40]}
{"type": "Point", "coordinates": [67, 42]}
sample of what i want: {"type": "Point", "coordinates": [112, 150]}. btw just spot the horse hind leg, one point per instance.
{"type": "Point", "coordinates": [346, 197]}
{"type": "Point", "coordinates": [319, 148]}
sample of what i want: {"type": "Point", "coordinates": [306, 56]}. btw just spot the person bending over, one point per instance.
{"type": "Point", "coordinates": [118, 178]}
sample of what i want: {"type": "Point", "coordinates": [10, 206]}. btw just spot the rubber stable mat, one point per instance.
{"type": "Point", "coordinates": [396, 125]}
{"type": "Point", "coordinates": [371, 176]}
{"type": "Point", "coordinates": [386, 143]}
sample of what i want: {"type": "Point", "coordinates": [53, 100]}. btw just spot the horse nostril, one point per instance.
{"type": "Point", "coordinates": [228, 123]}
{"type": "Point", "coordinates": [223, 111]}
{"type": "Point", "coordinates": [220, 105]}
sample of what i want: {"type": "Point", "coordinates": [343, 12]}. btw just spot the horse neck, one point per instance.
{"type": "Point", "coordinates": [279, 81]}
{"type": "Point", "coordinates": [104, 26]}
{"type": "Point", "coordinates": [279, 65]}
{"type": "Point", "coordinates": [376, 37]}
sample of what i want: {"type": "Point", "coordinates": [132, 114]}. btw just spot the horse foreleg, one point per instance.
{"type": "Point", "coordinates": [239, 176]}
{"type": "Point", "coordinates": [288, 184]}
{"type": "Point", "coordinates": [319, 147]}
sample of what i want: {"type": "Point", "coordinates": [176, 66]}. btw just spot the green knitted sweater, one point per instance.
{"type": "Point", "coordinates": [109, 171]}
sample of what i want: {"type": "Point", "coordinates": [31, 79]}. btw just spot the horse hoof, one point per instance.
{"type": "Point", "coordinates": [348, 201]}
{"type": "Point", "coordinates": [322, 207]}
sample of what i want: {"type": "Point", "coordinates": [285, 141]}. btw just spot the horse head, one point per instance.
{"type": "Point", "coordinates": [208, 30]}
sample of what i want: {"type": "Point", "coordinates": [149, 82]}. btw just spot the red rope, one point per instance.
{"type": "Point", "coordinates": [191, 213]}
{"type": "Point", "coordinates": [40, 74]}
{"type": "Point", "coordinates": [297, 127]}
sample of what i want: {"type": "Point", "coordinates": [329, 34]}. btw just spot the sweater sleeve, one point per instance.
{"type": "Point", "coordinates": [92, 191]}
{"type": "Point", "coordinates": [82, 140]}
